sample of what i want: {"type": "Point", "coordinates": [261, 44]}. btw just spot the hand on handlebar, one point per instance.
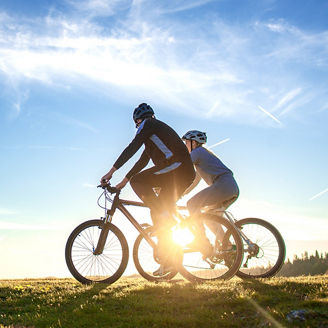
{"type": "Point", "coordinates": [105, 179]}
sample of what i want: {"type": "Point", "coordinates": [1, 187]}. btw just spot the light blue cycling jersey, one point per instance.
{"type": "Point", "coordinates": [208, 166]}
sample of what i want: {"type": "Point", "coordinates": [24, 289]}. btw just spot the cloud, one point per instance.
{"type": "Point", "coordinates": [99, 7]}
{"type": "Point", "coordinates": [223, 71]}
{"type": "Point", "coordinates": [300, 102]}
{"type": "Point", "coordinates": [296, 45]}
{"type": "Point", "coordinates": [169, 7]}
{"type": "Point", "coordinates": [287, 98]}
{"type": "Point", "coordinates": [88, 185]}
{"type": "Point", "coordinates": [65, 119]}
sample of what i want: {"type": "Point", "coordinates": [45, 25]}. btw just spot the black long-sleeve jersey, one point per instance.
{"type": "Point", "coordinates": [162, 145]}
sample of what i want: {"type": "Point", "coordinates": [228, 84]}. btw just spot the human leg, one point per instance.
{"type": "Point", "coordinates": [222, 190]}
{"type": "Point", "coordinates": [172, 183]}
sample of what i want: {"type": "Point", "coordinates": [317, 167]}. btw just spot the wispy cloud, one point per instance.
{"type": "Point", "coordinates": [289, 96]}
{"type": "Point", "coordinates": [319, 194]}
{"type": "Point", "coordinates": [179, 64]}
{"type": "Point", "coordinates": [99, 7]}
{"type": "Point", "coordinates": [89, 185]}
{"type": "Point", "coordinates": [292, 43]}
{"type": "Point", "coordinates": [63, 118]}
{"type": "Point", "coordinates": [174, 7]}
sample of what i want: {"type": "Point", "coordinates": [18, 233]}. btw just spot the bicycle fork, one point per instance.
{"type": "Point", "coordinates": [105, 228]}
{"type": "Point", "coordinates": [102, 240]}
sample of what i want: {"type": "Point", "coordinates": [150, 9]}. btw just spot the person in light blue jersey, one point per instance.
{"type": "Point", "coordinates": [222, 188]}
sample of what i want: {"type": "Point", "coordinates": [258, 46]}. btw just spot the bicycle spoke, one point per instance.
{"type": "Point", "coordinates": [96, 267]}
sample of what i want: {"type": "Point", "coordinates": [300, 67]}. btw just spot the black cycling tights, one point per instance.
{"type": "Point", "coordinates": [171, 184]}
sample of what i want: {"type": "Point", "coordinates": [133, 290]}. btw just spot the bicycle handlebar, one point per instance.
{"type": "Point", "coordinates": [111, 189]}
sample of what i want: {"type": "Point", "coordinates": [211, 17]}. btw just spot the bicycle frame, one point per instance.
{"type": "Point", "coordinates": [120, 204]}
{"type": "Point", "coordinates": [228, 215]}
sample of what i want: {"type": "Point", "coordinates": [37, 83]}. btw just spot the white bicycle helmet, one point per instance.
{"type": "Point", "coordinates": [142, 111]}
{"type": "Point", "coordinates": [196, 135]}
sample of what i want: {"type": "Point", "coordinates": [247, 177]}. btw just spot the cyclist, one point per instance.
{"type": "Point", "coordinates": [222, 189]}
{"type": "Point", "coordinates": [172, 172]}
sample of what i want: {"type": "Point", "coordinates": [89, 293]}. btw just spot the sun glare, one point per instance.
{"type": "Point", "coordinates": [183, 236]}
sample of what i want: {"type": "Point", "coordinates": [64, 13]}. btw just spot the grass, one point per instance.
{"type": "Point", "coordinates": [134, 302]}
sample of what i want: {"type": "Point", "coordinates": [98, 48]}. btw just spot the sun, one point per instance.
{"type": "Point", "coordinates": [182, 236]}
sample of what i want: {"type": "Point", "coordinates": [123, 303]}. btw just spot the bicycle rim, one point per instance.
{"type": "Point", "coordinates": [266, 254]}
{"type": "Point", "coordinates": [227, 258]}
{"type": "Point", "coordinates": [87, 267]}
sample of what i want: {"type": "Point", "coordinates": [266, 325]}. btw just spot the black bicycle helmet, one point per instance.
{"type": "Point", "coordinates": [142, 111]}
{"type": "Point", "coordinates": [196, 135]}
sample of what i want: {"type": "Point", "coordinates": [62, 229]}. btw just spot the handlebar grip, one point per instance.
{"type": "Point", "coordinates": [111, 189]}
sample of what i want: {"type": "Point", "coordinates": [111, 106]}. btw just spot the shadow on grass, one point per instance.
{"type": "Point", "coordinates": [138, 303]}
{"type": "Point", "coordinates": [133, 302]}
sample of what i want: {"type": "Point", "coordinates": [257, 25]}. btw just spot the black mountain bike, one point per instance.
{"type": "Point", "coordinates": [97, 250]}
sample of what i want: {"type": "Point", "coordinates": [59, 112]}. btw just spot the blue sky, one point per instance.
{"type": "Point", "coordinates": [250, 73]}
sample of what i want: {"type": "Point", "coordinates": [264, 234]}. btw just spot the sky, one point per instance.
{"type": "Point", "coordinates": [252, 74]}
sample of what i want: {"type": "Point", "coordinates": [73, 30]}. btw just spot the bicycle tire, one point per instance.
{"type": "Point", "coordinates": [272, 246]}
{"type": "Point", "coordinates": [195, 269]}
{"type": "Point", "coordinates": [89, 268]}
{"type": "Point", "coordinates": [145, 263]}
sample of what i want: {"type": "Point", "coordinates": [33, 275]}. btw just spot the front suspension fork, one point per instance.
{"type": "Point", "coordinates": [104, 233]}
{"type": "Point", "coordinates": [102, 239]}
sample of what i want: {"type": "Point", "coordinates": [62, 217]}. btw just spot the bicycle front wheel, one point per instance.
{"type": "Point", "coordinates": [264, 249]}
{"type": "Point", "coordinates": [227, 253]}
{"type": "Point", "coordinates": [87, 267]}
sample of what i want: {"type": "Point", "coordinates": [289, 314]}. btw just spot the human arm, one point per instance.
{"type": "Point", "coordinates": [138, 166]}
{"type": "Point", "coordinates": [193, 185]}
{"type": "Point", "coordinates": [133, 147]}
{"type": "Point", "coordinates": [104, 180]}
{"type": "Point", "coordinates": [194, 155]}
{"type": "Point", "coordinates": [127, 153]}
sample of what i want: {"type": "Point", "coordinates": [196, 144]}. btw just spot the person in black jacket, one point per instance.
{"type": "Point", "coordinates": [172, 173]}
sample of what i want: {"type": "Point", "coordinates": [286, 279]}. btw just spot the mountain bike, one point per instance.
{"type": "Point", "coordinates": [97, 250]}
{"type": "Point", "coordinates": [264, 247]}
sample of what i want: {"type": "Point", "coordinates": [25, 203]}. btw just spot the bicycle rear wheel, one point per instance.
{"type": "Point", "coordinates": [87, 267]}
{"type": "Point", "coordinates": [265, 255]}
{"type": "Point", "coordinates": [227, 253]}
{"type": "Point", "coordinates": [143, 257]}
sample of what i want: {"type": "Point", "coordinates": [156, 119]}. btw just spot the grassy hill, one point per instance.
{"type": "Point", "coordinates": [134, 302]}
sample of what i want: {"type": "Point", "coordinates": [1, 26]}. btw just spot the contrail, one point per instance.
{"type": "Point", "coordinates": [219, 143]}
{"type": "Point", "coordinates": [269, 114]}
{"type": "Point", "coordinates": [319, 194]}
